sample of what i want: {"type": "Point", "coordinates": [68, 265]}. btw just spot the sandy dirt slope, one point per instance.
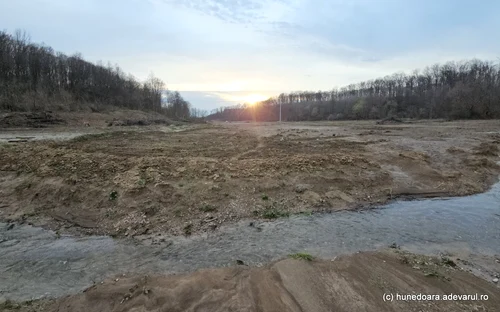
{"type": "Point", "coordinates": [349, 283]}
{"type": "Point", "coordinates": [184, 180]}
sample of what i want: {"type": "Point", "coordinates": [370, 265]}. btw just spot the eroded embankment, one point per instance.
{"type": "Point", "coordinates": [360, 282]}
{"type": "Point", "coordinates": [36, 262]}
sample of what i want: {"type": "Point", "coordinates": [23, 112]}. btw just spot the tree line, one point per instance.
{"type": "Point", "coordinates": [35, 77]}
{"type": "Point", "coordinates": [455, 90]}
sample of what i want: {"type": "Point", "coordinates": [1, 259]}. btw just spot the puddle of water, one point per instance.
{"type": "Point", "coordinates": [35, 263]}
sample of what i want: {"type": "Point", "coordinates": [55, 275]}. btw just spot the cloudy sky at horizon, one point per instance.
{"type": "Point", "coordinates": [222, 52]}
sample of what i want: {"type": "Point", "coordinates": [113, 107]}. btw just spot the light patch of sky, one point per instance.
{"type": "Point", "coordinates": [229, 49]}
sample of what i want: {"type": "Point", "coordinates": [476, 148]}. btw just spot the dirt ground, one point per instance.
{"type": "Point", "coordinates": [183, 180]}
{"type": "Point", "coordinates": [49, 119]}
{"type": "Point", "coordinates": [358, 282]}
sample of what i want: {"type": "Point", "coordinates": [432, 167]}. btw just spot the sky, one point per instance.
{"type": "Point", "coordinates": [223, 52]}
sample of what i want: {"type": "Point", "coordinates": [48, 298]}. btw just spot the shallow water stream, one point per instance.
{"type": "Point", "coordinates": [35, 263]}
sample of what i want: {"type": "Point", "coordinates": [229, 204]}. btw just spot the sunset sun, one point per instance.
{"type": "Point", "coordinates": [254, 98]}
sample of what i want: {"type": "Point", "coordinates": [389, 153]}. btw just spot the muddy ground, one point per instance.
{"type": "Point", "coordinates": [51, 119]}
{"type": "Point", "coordinates": [128, 182]}
{"type": "Point", "coordinates": [348, 283]}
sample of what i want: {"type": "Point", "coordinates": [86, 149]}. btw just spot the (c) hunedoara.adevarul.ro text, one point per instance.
{"type": "Point", "coordinates": [427, 297]}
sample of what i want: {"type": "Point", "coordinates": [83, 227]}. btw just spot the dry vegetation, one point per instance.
{"type": "Point", "coordinates": [195, 178]}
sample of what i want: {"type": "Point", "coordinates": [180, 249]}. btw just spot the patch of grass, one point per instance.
{"type": "Point", "coordinates": [178, 212]}
{"type": "Point", "coordinates": [151, 210]}
{"type": "Point", "coordinates": [110, 213]}
{"type": "Point", "coordinates": [208, 208]}
{"type": "Point", "coordinates": [305, 213]}
{"type": "Point", "coordinates": [274, 213]}
{"type": "Point", "coordinates": [404, 259]}
{"type": "Point", "coordinates": [432, 274]}
{"type": "Point", "coordinates": [188, 229]}
{"type": "Point", "coordinates": [181, 185]}
{"type": "Point", "coordinates": [240, 262]}
{"type": "Point", "coordinates": [394, 246]}
{"type": "Point", "coordinates": [141, 182]}
{"type": "Point", "coordinates": [448, 261]}
{"type": "Point", "coordinates": [7, 304]}
{"type": "Point", "coordinates": [113, 195]}
{"type": "Point", "coordinates": [302, 256]}
{"type": "Point", "coordinates": [265, 197]}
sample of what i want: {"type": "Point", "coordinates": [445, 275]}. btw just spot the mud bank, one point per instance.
{"type": "Point", "coordinates": [36, 262]}
{"type": "Point", "coordinates": [360, 282]}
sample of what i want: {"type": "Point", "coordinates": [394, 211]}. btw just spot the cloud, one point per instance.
{"type": "Point", "coordinates": [233, 11]}
{"type": "Point", "coordinates": [209, 100]}
{"type": "Point", "coordinates": [210, 47]}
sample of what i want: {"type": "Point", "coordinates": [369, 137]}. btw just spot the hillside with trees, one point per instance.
{"type": "Point", "coordinates": [455, 90]}
{"type": "Point", "coordinates": [33, 77]}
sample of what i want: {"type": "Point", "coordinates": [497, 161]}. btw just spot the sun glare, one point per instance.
{"type": "Point", "coordinates": [254, 98]}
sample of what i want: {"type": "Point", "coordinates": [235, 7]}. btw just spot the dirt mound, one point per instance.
{"type": "Point", "coordinates": [30, 120]}
{"type": "Point", "coordinates": [348, 283]}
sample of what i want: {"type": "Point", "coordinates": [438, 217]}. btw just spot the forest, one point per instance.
{"type": "Point", "coordinates": [35, 77]}
{"type": "Point", "coordinates": [455, 90]}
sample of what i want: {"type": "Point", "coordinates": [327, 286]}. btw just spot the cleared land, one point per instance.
{"type": "Point", "coordinates": [183, 180]}
{"type": "Point", "coordinates": [349, 283]}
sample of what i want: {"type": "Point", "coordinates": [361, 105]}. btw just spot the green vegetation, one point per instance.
{"type": "Point", "coordinates": [404, 259]}
{"type": "Point", "coordinates": [302, 256]}
{"type": "Point", "coordinates": [188, 229]}
{"type": "Point", "coordinates": [113, 195]}
{"type": "Point", "coordinates": [448, 261]}
{"type": "Point", "coordinates": [265, 197]}
{"type": "Point", "coordinates": [305, 213]}
{"type": "Point", "coordinates": [274, 213]}
{"type": "Point", "coordinates": [432, 274]}
{"type": "Point", "coordinates": [208, 208]}
{"type": "Point", "coordinates": [7, 304]}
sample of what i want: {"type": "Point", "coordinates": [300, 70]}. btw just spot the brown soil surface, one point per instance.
{"type": "Point", "coordinates": [80, 118]}
{"type": "Point", "coordinates": [194, 178]}
{"type": "Point", "coordinates": [349, 283]}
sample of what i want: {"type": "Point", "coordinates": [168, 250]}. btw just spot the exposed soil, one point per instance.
{"type": "Point", "coordinates": [110, 117]}
{"type": "Point", "coordinates": [349, 283]}
{"type": "Point", "coordinates": [158, 180]}
{"type": "Point", "coordinates": [31, 120]}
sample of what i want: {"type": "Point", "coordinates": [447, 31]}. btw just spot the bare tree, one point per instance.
{"type": "Point", "coordinates": [33, 76]}
{"type": "Point", "coordinates": [467, 89]}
